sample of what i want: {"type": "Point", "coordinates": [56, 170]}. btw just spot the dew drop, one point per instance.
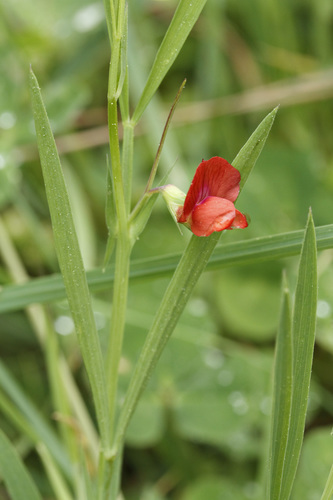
{"type": "Point", "coordinates": [225, 377]}
{"type": "Point", "coordinates": [213, 358]}
{"type": "Point", "coordinates": [238, 402]}
{"type": "Point", "coordinates": [64, 325]}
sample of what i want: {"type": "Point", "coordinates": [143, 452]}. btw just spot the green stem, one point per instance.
{"type": "Point", "coordinates": [127, 161]}
{"type": "Point", "coordinates": [123, 244]}
{"type": "Point", "coordinates": [121, 192]}
{"type": "Point", "coordinates": [117, 322]}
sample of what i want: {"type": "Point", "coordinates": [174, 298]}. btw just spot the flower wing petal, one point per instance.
{"type": "Point", "coordinates": [213, 214]}
{"type": "Point", "coordinates": [239, 221]}
{"type": "Point", "coordinates": [214, 177]}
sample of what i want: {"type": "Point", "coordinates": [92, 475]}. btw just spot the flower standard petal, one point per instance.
{"type": "Point", "coordinates": [214, 177]}
{"type": "Point", "coordinates": [212, 214]}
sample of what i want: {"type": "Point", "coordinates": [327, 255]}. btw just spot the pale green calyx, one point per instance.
{"type": "Point", "coordinates": [174, 199]}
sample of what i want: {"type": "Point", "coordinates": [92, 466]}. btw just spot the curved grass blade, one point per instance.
{"type": "Point", "coordinates": [16, 477]}
{"type": "Point", "coordinates": [70, 259]}
{"type": "Point", "coordinates": [188, 271]}
{"type": "Point", "coordinates": [182, 23]}
{"type": "Point", "coordinates": [29, 420]}
{"type": "Point", "coordinates": [266, 248]}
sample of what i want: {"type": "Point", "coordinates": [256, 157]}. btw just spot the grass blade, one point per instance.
{"type": "Point", "coordinates": [250, 152]}
{"type": "Point", "coordinates": [282, 395]}
{"type": "Point", "coordinates": [303, 336]}
{"type": "Point", "coordinates": [70, 259]}
{"type": "Point", "coordinates": [182, 23]}
{"type": "Point", "coordinates": [17, 479]}
{"type": "Point", "coordinates": [29, 420]}
{"type": "Point", "coordinates": [278, 246]}
{"type": "Point", "coordinates": [57, 482]}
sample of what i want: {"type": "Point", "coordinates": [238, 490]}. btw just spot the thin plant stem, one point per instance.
{"type": "Point", "coordinates": [121, 192]}
{"type": "Point", "coordinates": [127, 161]}
{"type": "Point", "coordinates": [117, 322]}
{"type": "Point", "coordinates": [164, 134]}
{"type": "Point", "coordinates": [143, 200]}
{"type": "Point", "coordinates": [122, 261]}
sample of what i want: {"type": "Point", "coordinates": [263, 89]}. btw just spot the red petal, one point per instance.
{"type": "Point", "coordinates": [213, 214]}
{"type": "Point", "coordinates": [214, 177]}
{"type": "Point", "coordinates": [239, 221]}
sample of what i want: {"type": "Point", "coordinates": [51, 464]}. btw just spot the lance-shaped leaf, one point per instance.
{"type": "Point", "coordinates": [294, 352]}
{"type": "Point", "coordinates": [303, 337]}
{"type": "Point", "coordinates": [182, 23]}
{"type": "Point", "coordinates": [70, 259]}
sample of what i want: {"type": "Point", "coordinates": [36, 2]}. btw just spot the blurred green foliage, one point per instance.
{"type": "Point", "coordinates": [200, 429]}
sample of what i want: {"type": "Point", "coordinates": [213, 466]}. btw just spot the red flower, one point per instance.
{"type": "Point", "coordinates": [209, 203]}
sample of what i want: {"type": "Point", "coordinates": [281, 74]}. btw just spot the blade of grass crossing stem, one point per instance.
{"type": "Point", "coordinates": [282, 394]}
{"type": "Point", "coordinates": [303, 336]}
{"type": "Point", "coordinates": [180, 27]}
{"type": "Point", "coordinates": [17, 479]}
{"type": "Point", "coordinates": [278, 246]}
{"type": "Point", "coordinates": [70, 259]}
{"type": "Point", "coordinates": [188, 271]}
{"type": "Point", "coordinates": [328, 490]}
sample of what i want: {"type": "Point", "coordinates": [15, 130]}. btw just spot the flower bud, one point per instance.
{"type": "Point", "coordinates": [174, 199]}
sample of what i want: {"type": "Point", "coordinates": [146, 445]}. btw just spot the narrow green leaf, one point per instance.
{"type": "Point", "coordinates": [278, 246]}
{"type": "Point", "coordinates": [182, 23]}
{"type": "Point", "coordinates": [57, 482]}
{"type": "Point", "coordinates": [249, 153]}
{"type": "Point", "coordinates": [27, 417]}
{"type": "Point", "coordinates": [303, 337]}
{"type": "Point", "coordinates": [282, 394]}
{"type": "Point", "coordinates": [123, 54]}
{"type": "Point", "coordinates": [328, 490]}
{"type": "Point", "coordinates": [70, 259]}
{"type": "Point", "coordinates": [15, 475]}
{"type": "Point", "coordinates": [188, 271]}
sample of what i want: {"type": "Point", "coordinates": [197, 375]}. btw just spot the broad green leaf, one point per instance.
{"type": "Point", "coordinates": [282, 394]}
{"type": "Point", "coordinates": [187, 273]}
{"type": "Point", "coordinates": [182, 23]}
{"type": "Point", "coordinates": [15, 475]}
{"type": "Point", "coordinates": [70, 259]}
{"type": "Point", "coordinates": [278, 246]}
{"type": "Point", "coordinates": [303, 336]}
